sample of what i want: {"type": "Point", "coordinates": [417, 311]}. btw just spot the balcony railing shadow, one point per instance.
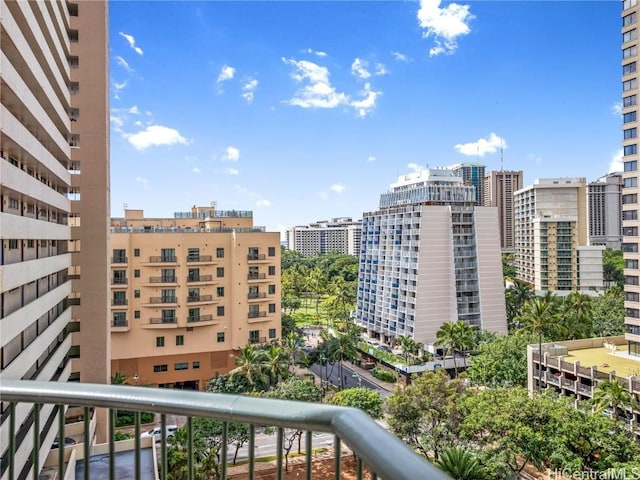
{"type": "Point", "coordinates": [381, 452]}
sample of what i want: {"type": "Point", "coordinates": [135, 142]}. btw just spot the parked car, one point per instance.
{"type": "Point", "coordinates": [156, 432]}
{"type": "Point", "coordinates": [385, 348]}
{"type": "Point", "coordinates": [67, 441]}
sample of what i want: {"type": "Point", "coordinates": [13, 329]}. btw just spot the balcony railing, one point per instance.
{"type": "Point", "coordinates": [257, 314]}
{"type": "Point", "coordinates": [254, 295]}
{"type": "Point", "coordinates": [119, 301]}
{"type": "Point", "coordinates": [199, 258]}
{"type": "Point", "coordinates": [257, 276]}
{"type": "Point", "coordinates": [119, 281]}
{"type": "Point", "coordinates": [119, 323]}
{"type": "Point", "coordinates": [384, 454]}
{"type": "Point", "coordinates": [200, 318]}
{"type": "Point", "coordinates": [163, 259]}
{"type": "Point", "coordinates": [200, 278]}
{"type": "Point", "coordinates": [256, 256]}
{"type": "Point", "coordinates": [164, 299]}
{"type": "Point", "coordinates": [165, 279]}
{"type": "Point", "coordinates": [255, 340]}
{"type": "Point", "coordinates": [199, 298]}
{"type": "Point", "coordinates": [119, 259]}
{"type": "Point", "coordinates": [160, 321]}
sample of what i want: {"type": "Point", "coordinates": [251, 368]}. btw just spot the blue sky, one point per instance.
{"type": "Point", "coordinates": [303, 110]}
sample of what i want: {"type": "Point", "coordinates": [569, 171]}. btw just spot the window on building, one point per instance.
{"type": "Point", "coordinates": [630, 215]}
{"type": "Point", "coordinates": [181, 366]}
{"type": "Point", "coordinates": [220, 291]}
{"type": "Point", "coordinates": [220, 337]}
{"type": "Point", "coordinates": [629, 36]}
{"type": "Point", "coordinates": [630, 149]}
{"type": "Point", "coordinates": [271, 251]}
{"type": "Point", "coordinates": [631, 166]}
{"type": "Point", "coordinates": [136, 273]}
{"type": "Point", "coordinates": [136, 252]}
{"type": "Point", "coordinates": [160, 368]}
{"type": "Point", "coordinates": [219, 252]}
{"type": "Point", "coordinates": [272, 270]}
{"type": "Point", "coordinates": [629, 68]}
{"type": "Point", "coordinates": [193, 254]}
{"type": "Point", "coordinates": [629, 84]}
{"type": "Point", "coordinates": [30, 243]}
{"type": "Point", "coordinates": [253, 253]}
{"type": "Point", "coordinates": [194, 275]}
{"type": "Point", "coordinates": [168, 316]}
{"type": "Point", "coordinates": [13, 244]}
{"type": "Point", "coordinates": [629, 52]}
{"type": "Point", "coordinates": [629, 199]}
{"type": "Point", "coordinates": [168, 254]}
{"type": "Point", "coordinates": [272, 289]}
{"type": "Point", "coordinates": [630, 133]}
{"type": "Point", "coordinates": [193, 295]}
{"type": "Point", "coordinates": [179, 339]}
{"type": "Point", "coordinates": [136, 294]}
{"type": "Point", "coordinates": [194, 315]}
{"type": "Point", "coordinates": [272, 333]}
{"type": "Point", "coordinates": [220, 272]}
{"type": "Point", "coordinates": [220, 311]}
{"type": "Point", "coordinates": [168, 295]}
{"type": "Point", "coordinates": [119, 255]}
{"type": "Point", "coordinates": [168, 275]}
{"type": "Point", "coordinates": [630, 182]}
{"type": "Point", "coordinates": [629, 3]}
{"type": "Point", "coordinates": [629, 101]}
{"type": "Point", "coordinates": [195, 365]}
{"type": "Point", "coordinates": [254, 336]}
{"type": "Point", "coordinates": [629, 117]}
{"type": "Point", "coordinates": [119, 319]}
{"type": "Point", "coordinates": [254, 272]}
{"type": "Point", "coordinates": [159, 341]}
{"type": "Point", "coordinates": [630, 231]}
{"type": "Point", "coordinates": [272, 308]}
{"type": "Point", "coordinates": [136, 314]}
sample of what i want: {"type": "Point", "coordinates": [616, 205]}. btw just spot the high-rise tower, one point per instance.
{"type": "Point", "coordinates": [499, 187]}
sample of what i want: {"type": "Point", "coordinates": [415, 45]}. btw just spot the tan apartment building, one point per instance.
{"type": "Point", "coordinates": [341, 235]}
{"type": "Point", "coordinates": [551, 237]}
{"type": "Point", "coordinates": [630, 189]}
{"type": "Point", "coordinates": [188, 292]}
{"type": "Point", "coordinates": [54, 207]}
{"type": "Point", "coordinates": [499, 187]}
{"type": "Point", "coordinates": [605, 211]}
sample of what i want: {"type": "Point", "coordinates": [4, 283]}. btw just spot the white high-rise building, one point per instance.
{"type": "Point", "coordinates": [429, 256]}
{"type": "Point", "coordinates": [551, 237]}
{"type": "Point", "coordinates": [340, 235]}
{"type": "Point", "coordinates": [605, 211]}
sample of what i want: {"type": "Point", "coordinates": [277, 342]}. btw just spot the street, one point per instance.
{"type": "Point", "coordinates": [351, 378]}
{"type": "Point", "coordinates": [266, 445]}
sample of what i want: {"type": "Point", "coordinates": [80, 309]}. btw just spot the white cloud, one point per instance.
{"type": "Point", "coordinates": [117, 122]}
{"type": "Point", "coordinates": [196, 170]}
{"type": "Point", "coordinates": [380, 69]}
{"type": "Point", "coordinates": [338, 187]}
{"type": "Point", "coordinates": [123, 63]}
{"type": "Point", "coordinates": [117, 88]}
{"type": "Point", "coordinates": [231, 171]}
{"type": "Point", "coordinates": [415, 167]}
{"type": "Point", "coordinates": [371, 158]}
{"type": "Point", "coordinates": [143, 181]}
{"type": "Point", "coordinates": [491, 144]}
{"type": "Point", "coordinates": [231, 154]}
{"type": "Point", "coordinates": [400, 57]}
{"type": "Point", "coordinates": [616, 108]}
{"type": "Point", "coordinates": [368, 102]}
{"type": "Point", "coordinates": [317, 52]}
{"type": "Point", "coordinates": [134, 110]}
{"type": "Point", "coordinates": [535, 159]}
{"type": "Point", "coordinates": [445, 25]}
{"type": "Point", "coordinates": [226, 73]}
{"type": "Point", "coordinates": [260, 201]}
{"type": "Point", "coordinates": [132, 42]}
{"type": "Point", "coordinates": [263, 202]}
{"type": "Point", "coordinates": [359, 68]}
{"type": "Point", "coordinates": [155, 135]}
{"type": "Point", "coordinates": [616, 164]}
{"type": "Point", "coordinates": [248, 89]}
{"type": "Point", "coordinates": [318, 92]}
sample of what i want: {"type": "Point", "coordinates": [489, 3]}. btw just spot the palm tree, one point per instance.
{"type": "Point", "coordinates": [516, 296]}
{"type": "Point", "coordinates": [577, 316]}
{"type": "Point", "coordinates": [276, 363]}
{"type": "Point", "coordinates": [291, 344]}
{"type": "Point", "coordinates": [343, 346]}
{"type": "Point", "coordinates": [460, 464]}
{"type": "Point", "coordinates": [317, 280]}
{"type": "Point", "coordinates": [610, 393]}
{"type": "Point", "coordinates": [539, 315]}
{"type": "Point", "coordinates": [252, 363]}
{"type": "Point", "coordinates": [465, 339]}
{"type": "Point", "coordinates": [119, 378]}
{"type": "Point", "coordinates": [408, 346]}
{"type": "Point", "coordinates": [455, 338]}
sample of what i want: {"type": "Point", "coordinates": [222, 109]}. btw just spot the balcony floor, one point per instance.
{"type": "Point", "coordinates": [125, 465]}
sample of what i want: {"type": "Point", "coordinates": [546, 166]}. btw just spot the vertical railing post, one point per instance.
{"type": "Point", "coordinates": [225, 439]}
{"type": "Point", "coordinates": [252, 451]}
{"type": "Point", "coordinates": [12, 441]}
{"type": "Point", "coordinates": [309, 453]}
{"type": "Point", "coordinates": [136, 423]}
{"type": "Point", "coordinates": [36, 441]}
{"type": "Point", "coordinates": [87, 441]}
{"type": "Point", "coordinates": [112, 444]}
{"type": "Point", "coordinates": [189, 447]}
{"type": "Point", "coordinates": [61, 441]}
{"type": "Point", "coordinates": [163, 447]}
{"type": "Point", "coordinates": [279, 453]}
{"type": "Point", "coordinates": [337, 457]}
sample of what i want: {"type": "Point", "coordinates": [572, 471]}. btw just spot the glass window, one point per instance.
{"type": "Point", "coordinates": [181, 366]}
{"type": "Point", "coordinates": [179, 339]}
{"type": "Point", "coordinates": [220, 272]}
{"type": "Point", "coordinates": [629, 68]}
{"type": "Point", "coordinates": [629, 101]}
{"type": "Point", "coordinates": [272, 289]}
{"type": "Point", "coordinates": [272, 251]}
{"type": "Point", "coordinates": [194, 315]}
{"type": "Point", "coordinates": [272, 333]}
{"type": "Point", "coordinates": [629, 84]}
{"type": "Point", "coordinates": [220, 337]}
{"type": "Point", "coordinates": [160, 368]}
{"type": "Point", "coordinates": [630, 182]}
{"type": "Point", "coordinates": [630, 149]}
{"type": "Point", "coordinates": [195, 365]}
{"type": "Point", "coordinates": [220, 311]}
{"type": "Point", "coordinates": [136, 252]}
{"type": "Point", "coordinates": [630, 215]}
{"type": "Point", "coordinates": [136, 273]}
{"type": "Point", "coordinates": [631, 166]}
{"type": "Point", "coordinates": [136, 314]}
{"type": "Point", "coordinates": [194, 275]}
{"type": "Point", "coordinates": [168, 254]}
{"type": "Point", "coordinates": [136, 294]}
{"type": "Point", "coordinates": [630, 52]}
{"type": "Point", "coordinates": [629, 199]}
{"type": "Point", "coordinates": [629, 19]}
{"type": "Point", "coordinates": [630, 35]}
{"type": "Point", "coordinates": [629, 117]}
{"type": "Point", "coordinates": [272, 308]}
{"type": "Point", "coordinates": [629, 3]}
{"type": "Point", "coordinates": [159, 341]}
{"type": "Point", "coordinates": [193, 254]}
{"type": "Point", "coordinates": [220, 252]}
{"type": "Point", "coordinates": [272, 270]}
{"type": "Point", "coordinates": [630, 133]}
{"type": "Point", "coordinates": [220, 291]}
{"type": "Point", "coordinates": [168, 275]}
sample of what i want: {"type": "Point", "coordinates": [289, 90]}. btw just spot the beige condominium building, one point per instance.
{"type": "Point", "coordinates": [630, 190]}
{"type": "Point", "coordinates": [341, 235]}
{"type": "Point", "coordinates": [429, 256]}
{"type": "Point", "coordinates": [499, 187]}
{"type": "Point", "coordinates": [551, 237]}
{"type": "Point", "coordinates": [605, 211]}
{"type": "Point", "coordinates": [188, 292]}
{"type": "Point", "coordinates": [54, 208]}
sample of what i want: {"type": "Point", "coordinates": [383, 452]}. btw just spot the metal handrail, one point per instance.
{"type": "Point", "coordinates": [384, 453]}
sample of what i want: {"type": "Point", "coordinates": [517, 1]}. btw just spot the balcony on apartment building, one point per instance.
{"type": "Point", "coordinates": [257, 314]}
{"type": "Point", "coordinates": [163, 279]}
{"type": "Point", "coordinates": [199, 259]}
{"type": "Point", "coordinates": [256, 257]}
{"type": "Point", "coordinates": [257, 276]}
{"type": "Point", "coordinates": [256, 295]}
{"type": "Point", "coordinates": [378, 452]}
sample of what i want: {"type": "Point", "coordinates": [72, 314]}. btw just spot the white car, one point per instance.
{"type": "Point", "coordinates": [156, 432]}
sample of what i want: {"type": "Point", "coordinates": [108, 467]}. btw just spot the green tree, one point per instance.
{"type": "Point", "coordinates": [455, 338]}
{"type": "Point", "coordinates": [251, 362]}
{"type": "Point", "coordinates": [516, 296]}
{"type": "Point", "coordinates": [363, 398]}
{"type": "Point", "coordinates": [608, 313]}
{"type": "Point", "coordinates": [460, 464]}
{"type": "Point", "coordinates": [119, 378]}
{"type": "Point", "coordinates": [276, 363]}
{"type": "Point", "coordinates": [613, 267]}
{"type": "Point", "coordinates": [426, 414]}
{"type": "Point", "coordinates": [502, 361]}
{"type": "Point", "coordinates": [610, 393]}
{"type": "Point", "coordinates": [539, 316]}
{"type": "Point", "coordinates": [289, 258]}
{"type": "Point", "coordinates": [575, 317]}
{"type": "Point", "coordinates": [317, 281]}
{"type": "Point", "coordinates": [236, 384]}
{"type": "Point", "coordinates": [408, 346]}
{"type": "Point", "coordinates": [509, 267]}
{"type": "Point", "coordinates": [343, 345]}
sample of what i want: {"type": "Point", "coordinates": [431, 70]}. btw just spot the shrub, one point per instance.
{"type": "Point", "coordinates": [120, 435]}
{"type": "Point", "coordinates": [384, 374]}
{"type": "Point", "coordinates": [125, 417]}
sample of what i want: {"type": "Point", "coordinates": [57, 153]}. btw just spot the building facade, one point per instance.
{"type": "Point", "coordinates": [604, 200]}
{"type": "Point", "coordinates": [472, 173]}
{"type": "Point", "coordinates": [551, 237]}
{"type": "Point", "coordinates": [630, 189]}
{"type": "Point", "coordinates": [340, 235]}
{"type": "Point", "coordinates": [498, 190]}
{"type": "Point", "coordinates": [429, 256]}
{"type": "Point", "coordinates": [188, 292]}
{"type": "Point", "coordinates": [54, 208]}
